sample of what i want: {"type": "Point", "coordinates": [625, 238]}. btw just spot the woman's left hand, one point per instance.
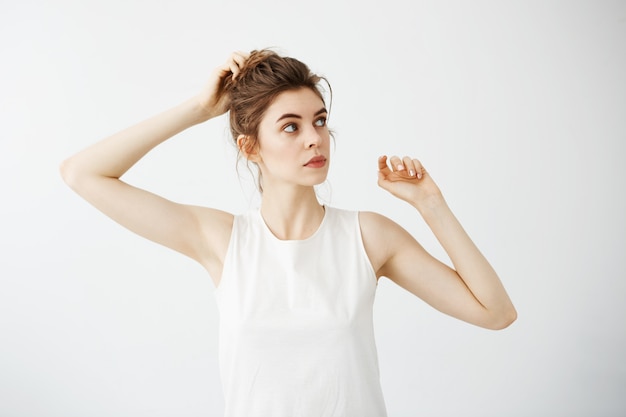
{"type": "Point", "coordinates": [407, 179]}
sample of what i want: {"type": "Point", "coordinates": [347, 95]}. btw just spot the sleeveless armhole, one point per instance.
{"type": "Point", "coordinates": [228, 256]}
{"type": "Point", "coordinates": [362, 247]}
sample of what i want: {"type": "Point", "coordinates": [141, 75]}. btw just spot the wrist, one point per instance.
{"type": "Point", "coordinates": [196, 111]}
{"type": "Point", "coordinates": [430, 204]}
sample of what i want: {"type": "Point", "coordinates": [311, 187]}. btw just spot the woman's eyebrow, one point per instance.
{"type": "Point", "coordinates": [320, 111]}
{"type": "Point", "coordinates": [297, 116]}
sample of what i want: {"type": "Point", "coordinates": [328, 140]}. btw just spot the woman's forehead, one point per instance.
{"type": "Point", "coordinates": [303, 102]}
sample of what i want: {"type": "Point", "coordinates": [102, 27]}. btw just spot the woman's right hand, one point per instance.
{"type": "Point", "coordinates": [213, 100]}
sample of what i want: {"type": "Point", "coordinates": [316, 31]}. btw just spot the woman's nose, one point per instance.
{"type": "Point", "coordinates": [313, 139]}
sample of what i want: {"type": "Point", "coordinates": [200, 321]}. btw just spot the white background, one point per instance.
{"type": "Point", "coordinates": [517, 108]}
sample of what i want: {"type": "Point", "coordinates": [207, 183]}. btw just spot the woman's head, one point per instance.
{"type": "Point", "coordinates": [263, 77]}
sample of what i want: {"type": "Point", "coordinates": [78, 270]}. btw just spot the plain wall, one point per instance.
{"type": "Point", "coordinates": [517, 109]}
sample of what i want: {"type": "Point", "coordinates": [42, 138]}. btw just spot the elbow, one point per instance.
{"type": "Point", "coordinates": [64, 169]}
{"type": "Point", "coordinates": [71, 173]}
{"type": "Point", "coordinates": [503, 320]}
{"type": "Point", "coordinates": [67, 172]}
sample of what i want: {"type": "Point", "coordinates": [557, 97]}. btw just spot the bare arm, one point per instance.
{"type": "Point", "coordinates": [472, 291]}
{"type": "Point", "coordinates": [95, 172]}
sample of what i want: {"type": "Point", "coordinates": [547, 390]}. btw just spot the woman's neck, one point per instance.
{"type": "Point", "coordinates": [292, 214]}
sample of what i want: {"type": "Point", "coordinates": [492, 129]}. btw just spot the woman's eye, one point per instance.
{"type": "Point", "coordinates": [290, 128]}
{"type": "Point", "coordinates": [321, 122]}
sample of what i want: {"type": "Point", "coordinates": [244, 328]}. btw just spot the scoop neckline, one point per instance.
{"type": "Point", "coordinates": [271, 234]}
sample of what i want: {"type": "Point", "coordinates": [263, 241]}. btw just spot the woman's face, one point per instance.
{"type": "Point", "coordinates": [293, 141]}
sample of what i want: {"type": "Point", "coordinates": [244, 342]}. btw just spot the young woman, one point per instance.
{"type": "Point", "coordinates": [295, 280]}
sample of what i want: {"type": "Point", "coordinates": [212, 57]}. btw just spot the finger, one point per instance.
{"type": "Point", "coordinates": [235, 70]}
{"type": "Point", "coordinates": [382, 165]}
{"type": "Point", "coordinates": [239, 59]}
{"type": "Point", "coordinates": [233, 67]}
{"type": "Point", "coordinates": [396, 164]}
{"type": "Point", "coordinates": [229, 67]}
{"type": "Point", "coordinates": [419, 169]}
{"type": "Point", "coordinates": [409, 166]}
{"type": "Point", "coordinates": [224, 69]}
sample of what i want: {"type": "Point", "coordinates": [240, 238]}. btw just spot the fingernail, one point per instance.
{"type": "Point", "coordinates": [412, 173]}
{"type": "Point", "coordinates": [400, 167]}
{"type": "Point", "coordinates": [419, 176]}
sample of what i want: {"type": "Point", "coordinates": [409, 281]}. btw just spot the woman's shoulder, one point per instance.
{"type": "Point", "coordinates": [376, 225]}
{"type": "Point", "coordinates": [369, 220]}
{"type": "Point", "coordinates": [381, 236]}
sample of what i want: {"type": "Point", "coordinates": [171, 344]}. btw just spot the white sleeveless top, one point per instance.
{"type": "Point", "coordinates": [296, 334]}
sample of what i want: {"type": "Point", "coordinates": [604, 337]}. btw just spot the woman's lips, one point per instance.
{"type": "Point", "coordinates": [316, 162]}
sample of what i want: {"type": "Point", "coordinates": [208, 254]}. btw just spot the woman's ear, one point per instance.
{"type": "Point", "coordinates": [248, 148]}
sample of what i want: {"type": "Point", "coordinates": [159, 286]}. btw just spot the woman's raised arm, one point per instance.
{"type": "Point", "coordinates": [472, 291]}
{"type": "Point", "coordinates": [94, 173]}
